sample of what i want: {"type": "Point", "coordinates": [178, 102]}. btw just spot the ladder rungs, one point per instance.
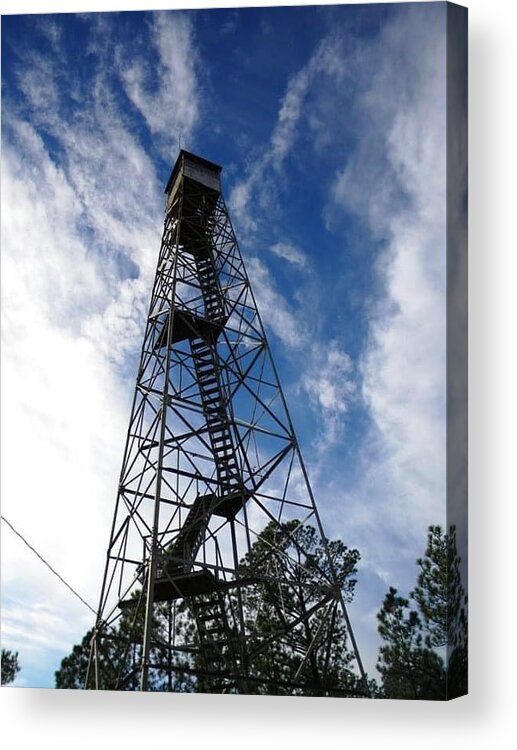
{"type": "Point", "coordinates": [219, 442]}
{"type": "Point", "coordinates": [209, 381]}
{"type": "Point", "coordinates": [218, 629]}
{"type": "Point", "coordinates": [225, 437]}
{"type": "Point", "coordinates": [207, 617]}
{"type": "Point", "coordinates": [224, 452]}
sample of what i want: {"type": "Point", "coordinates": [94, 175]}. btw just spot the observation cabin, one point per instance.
{"type": "Point", "coordinates": [198, 175]}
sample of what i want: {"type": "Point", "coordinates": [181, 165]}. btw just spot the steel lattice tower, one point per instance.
{"type": "Point", "coordinates": [210, 573]}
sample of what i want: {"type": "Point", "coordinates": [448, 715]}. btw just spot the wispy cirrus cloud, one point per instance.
{"type": "Point", "coordinates": [278, 314]}
{"type": "Point", "coordinates": [121, 216]}
{"type": "Point", "coordinates": [291, 253]}
{"type": "Point", "coordinates": [324, 372]}
{"type": "Point", "coordinates": [395, 183]}
{"type": "Point", "coordinates": [166, 93]}
{"type": "Point", "coordinates": [331, 383]}
{"type": "Point", "coordinates": [260, 186]}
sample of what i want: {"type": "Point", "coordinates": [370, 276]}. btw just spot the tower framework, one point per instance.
{"type": "Point", "coordinates": [218, 575]}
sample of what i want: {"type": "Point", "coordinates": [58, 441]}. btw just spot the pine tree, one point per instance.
{"type": "Point", "coordinates": [425, 650]}
{"type": "Point", "coordinates": [279, 661]}
{"type": "Point", "coordinates": [10, 666]}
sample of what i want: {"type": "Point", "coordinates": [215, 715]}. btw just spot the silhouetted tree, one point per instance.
{"type": "Point", "coordinates": [10, 666]}
{"type": "Point", "coordinates": [112, 669]}
{"type": "Point", "coordinates": [425, 652]}
{"type": "Point", "coordinates": [72, 671]}
{"type": "Point", "coordinates": [294, 558]}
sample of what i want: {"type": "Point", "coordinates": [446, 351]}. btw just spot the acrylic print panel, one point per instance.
{"type": "Point", "coordinates": [246, 397]}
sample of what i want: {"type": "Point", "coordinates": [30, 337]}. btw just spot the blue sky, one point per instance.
{"type": "Point", "coordinates": [329, 123]}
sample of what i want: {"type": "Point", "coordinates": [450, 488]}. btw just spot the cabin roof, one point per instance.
{"type": "Point", "coordinates": [190, 157]}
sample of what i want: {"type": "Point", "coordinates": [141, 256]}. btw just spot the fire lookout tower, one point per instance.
{"type": "Point", "coordinates": [217, 570]}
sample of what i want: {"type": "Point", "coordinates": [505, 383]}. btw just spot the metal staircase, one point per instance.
{"type": "Point", "coordinates": [214, 407]}
{"type": "Point", "coordinates": [214, 635]}
{"type": "Point", "coordinates": [182, 552]}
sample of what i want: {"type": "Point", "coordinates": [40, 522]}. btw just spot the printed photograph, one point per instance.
{"type": "Point", "coordinates": [234, 351]}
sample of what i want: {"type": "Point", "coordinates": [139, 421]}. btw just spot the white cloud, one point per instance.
{"type": "Point", "coordinates": [63, 408]}
{"type": "Point", "coordinates": [395, 182]}
{"type": "Point", "coordinates": [239, 200]}
{"type": "Point", "coordinates": [325, 372]}
{"type": "Point", "coordinates": [170, 108]}
{"type": "Point", "coordinates": [274, 309]}
{"type": "Point", "coordinates": [261, 184]}
{"type": "Point", "coordinates": [51, 30]}
{"type": "Point", "coordinates": [64, 417]}
{"type": "Point", "coordinates": [121, 215]}
{"type": "Point", "coordinates": [329, 381]}
{"type": "Point", "coordinates": [290, 253]}
{"type": "Point", "coordinates": [38, 84]}
{"type": "Point", "coordinates": [43, 253]}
